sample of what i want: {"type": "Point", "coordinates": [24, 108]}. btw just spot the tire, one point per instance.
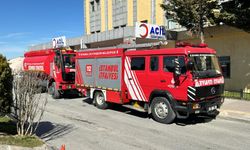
{"type": "Point", "coordinates": [50, 88]}
{"type": "Point", "coordinates": [54, 92]}
{"type": "Point", "coordinates": [162, 111]}
{"type": "Point", "coordinates": [100, 101]}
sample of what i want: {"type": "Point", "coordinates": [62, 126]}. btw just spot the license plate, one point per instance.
{"type": "Point", "coordinates": [211, 108]}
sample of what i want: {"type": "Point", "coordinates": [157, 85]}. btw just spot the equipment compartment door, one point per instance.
{"type": "Point", "coordinates": [108, 73]}
{"type": "Point", "coordinates": [88, 71]}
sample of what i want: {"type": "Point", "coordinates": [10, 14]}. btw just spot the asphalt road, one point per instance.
{"type": "Point", "coordinates": [81, 126]}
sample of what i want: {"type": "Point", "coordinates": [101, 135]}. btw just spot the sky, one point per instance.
{"type": "Point", "coordinates": [30, 22]}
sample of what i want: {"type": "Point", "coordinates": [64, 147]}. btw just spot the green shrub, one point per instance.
{"type": "Point", "coordinates": [6, 79]}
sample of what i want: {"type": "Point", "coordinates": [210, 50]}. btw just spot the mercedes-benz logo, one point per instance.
{"type": "Point", "coordinates": [213, 90]}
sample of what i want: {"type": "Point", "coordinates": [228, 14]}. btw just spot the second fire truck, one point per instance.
{"type": "Point", "coordinates": [57, 64]}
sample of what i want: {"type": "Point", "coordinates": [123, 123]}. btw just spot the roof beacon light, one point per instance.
{"type": "Point", "coordinates": [185, 44]}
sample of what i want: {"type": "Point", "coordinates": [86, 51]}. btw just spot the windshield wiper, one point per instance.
{"type": "Point", "coordinates": [196, 74]}
{"type": "Point", "coordinates": [212, 73]}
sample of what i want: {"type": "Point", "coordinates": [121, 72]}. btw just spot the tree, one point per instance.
{"type": "Point", "coordinates": [6, 79]}
{"type": "Point", "coordinates": [192, 14]}
{"type": "Point", "coordinates": [29, 102]}
{"type": "Point", "coordinates": [236, 13]}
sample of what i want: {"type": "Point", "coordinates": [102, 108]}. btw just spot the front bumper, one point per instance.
{"type": "Point", "coordinates": [67, 86]}
{"type": "Point", "coordinates": [183, 110]}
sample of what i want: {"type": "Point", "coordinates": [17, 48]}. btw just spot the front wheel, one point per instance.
{"type": "Point", "coordinates": [54, 92]}
{"type": "Point", "coordinates": [100, 101]}
{"type": "Point", "coordinates": [162, 110]}
{"type": "Point", "coordinates": [50, 88]}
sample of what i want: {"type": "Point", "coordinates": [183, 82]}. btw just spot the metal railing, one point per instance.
{"type": "Point", "coordinates": [237, 94]}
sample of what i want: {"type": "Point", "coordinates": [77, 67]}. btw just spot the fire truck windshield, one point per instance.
{"type": "Point", "coordinates": [205, 65]}
{"type": "Point", "coordinates": [69, 60]}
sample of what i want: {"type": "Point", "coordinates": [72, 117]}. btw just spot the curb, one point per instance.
{"type": "Point", "coordinates": [235, 115]}
{"type": "Point", "coordinates": [12, 147]}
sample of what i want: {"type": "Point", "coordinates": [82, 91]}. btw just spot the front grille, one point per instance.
{"type": "Point", "coordinates": [69, 76]}
{"type": "Point", "coordinates": [198, 93]}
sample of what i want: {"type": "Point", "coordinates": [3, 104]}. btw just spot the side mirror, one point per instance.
{"type": "Point", "coordinates": [177, 68]}
{"type": "Point", "coordinates": [55, 60]}
{"type": "Point", "coordinates": [73, 59]}
{"type": "Point", "coordinates": [190, 65]}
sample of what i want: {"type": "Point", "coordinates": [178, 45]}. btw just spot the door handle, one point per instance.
{"type": "Point", "coordinates": [162, 81]}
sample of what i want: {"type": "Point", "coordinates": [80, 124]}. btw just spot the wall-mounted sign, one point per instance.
{"type": "Point", "coordinates": [150, 31]}
{"type": "Point", "coordinates": [59, 42]}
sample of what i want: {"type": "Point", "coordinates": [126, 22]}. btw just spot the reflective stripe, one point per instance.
{"type": "Point", "coordinates": [191, 97]}
{"type": "Point", "coordinates": [133, 83]}
{"type": "Point", "coordinates": [191, 92]}
{"type": "Point", "coordinates": [137, 82]}
{"type": "Point", "coordinates": [127, 82]}
{"type": "Point", "coordinates": [192, 88]}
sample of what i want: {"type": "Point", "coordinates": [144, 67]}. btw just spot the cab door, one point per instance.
{"type": "Point", "coordinates": [135, 77]}
{"type": "Point", "coordinates": [57, 68]}
{"type": "Point", "coordinates": [153, 77]}
{"type": "Point", "coordinates": [176, 85]}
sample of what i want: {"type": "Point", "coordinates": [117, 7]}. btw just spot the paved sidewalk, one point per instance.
{"type": "Point", "coordinates": [11, 147]}
{"type": "Point", "coordinates": [235, 109]}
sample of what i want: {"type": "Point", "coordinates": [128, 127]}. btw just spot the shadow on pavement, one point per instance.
{"type": "Point", "coordinates": [120, 108]}
{"type": "Point", "coordinates": [88, 101]}
{"type": "Point", "coordinates": [48, 131]}
{"type": "Point", "coordinates": [197, 119]}
{"type": "Point", "coordinates": [71, 94]}
{"type": "Point", "coordinates": [8, 128]}
{"type": "Point", "coordinates": [129, 111]}
{"type": "Point", "coordinates": [191, 120]}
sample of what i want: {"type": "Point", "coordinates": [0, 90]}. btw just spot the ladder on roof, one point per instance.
{"type": "Point", "coordinates": [131, 46]}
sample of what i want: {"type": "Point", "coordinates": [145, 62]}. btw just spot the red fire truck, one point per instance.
{"type": "Point", "coordinates": [167, 83]}
{"type": "Point", "coordinates": [57, 64]}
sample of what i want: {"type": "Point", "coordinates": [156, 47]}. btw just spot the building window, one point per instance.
{"type": "Point", "coordinates": [117, 1]}
{"type": "Point", "coordinates": [119, 13]}
{"type": "Point", "coordinates": [92, 6]}
{"type": "Point", "coordinates": [138, 63]}
{"type": "Point", "coordinates": [123, 26]}
{"type": "Point", "coordinates": [225, 66]}
{"type": "Point", "coordinates": [168, 63]}
{"type": "Point", "coordinates": [97, 4]}
{"type": "Point", "coordinates": [144, 21]}
{"type": "Point", "coordinates": [154, 63]}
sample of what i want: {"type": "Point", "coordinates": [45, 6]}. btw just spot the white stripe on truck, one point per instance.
{"type": "Point", "coordinates": [133, 85]}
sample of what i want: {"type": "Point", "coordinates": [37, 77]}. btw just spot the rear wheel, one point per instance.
{"type": "Point", "coordinates": [100, 101]}
{"type": "Point", "coordinates": [162, 110]}
{"type": "Point", "coordinates": [54, 92]}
